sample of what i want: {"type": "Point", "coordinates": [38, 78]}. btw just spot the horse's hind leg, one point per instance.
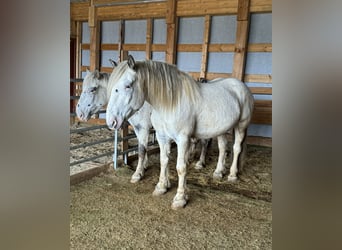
{"type": "Point", "coordinates": [201, 163]}
{"type": "Point", "coordinates": [164, 182]}
{"type": "Point", "coordinates": [220, 168]}
{"type": "Point", "coordinates": [239, 134]}
{"type": "Point", "coordinates": [142, 135]}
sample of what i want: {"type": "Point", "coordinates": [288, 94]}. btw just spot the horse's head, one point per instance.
{"type": "Point", "coordinates": [93, 96]}
{"type": "Point", "coordinates": [126, 96]}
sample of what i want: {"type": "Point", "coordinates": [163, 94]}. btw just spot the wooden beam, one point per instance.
{"type": "Point", "coordinates": [205, 46]}
{"type": "Point", "coordinates": [171, 27]}
{"type": "Point", "coordinates": [94, 26]}
{"type": "Point", "coordinates": [241, 39]}
{"type": "Point", "coordinates": [78, 48]}
{"type": "Point", "coordinates": [121, 39]}
{"type": "Point", "coordinates": [93, 170]}
{"type": "Point", "coordinates": [149, 38]}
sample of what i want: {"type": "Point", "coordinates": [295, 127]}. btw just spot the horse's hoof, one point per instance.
{"type": "Point", "coordinates": [135, 178]}
{"type": "Point", "coordinates": [178, 203]}
{"type": "Point", "coordinates": [159, 191]}
{"type": "Point", "coordinates": [217, 175]}
{"type": "Point", "coordinates": [232, 178]}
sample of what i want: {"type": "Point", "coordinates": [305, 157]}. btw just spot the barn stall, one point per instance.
{"type": "Point", "coordinates": [207, 39]}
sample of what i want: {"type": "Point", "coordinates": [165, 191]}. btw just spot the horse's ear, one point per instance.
{"type": "Point", "coordinates": [88, 71]}
{"type": "Point", "coordinates": [131, 62]}
{"type": "Point", "coordinates": [114, 64]}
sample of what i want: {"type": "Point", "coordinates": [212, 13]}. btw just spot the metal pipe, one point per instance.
{"type": "Point", "coordinates": [79, 130]}
{"type": "Point", "coordinates": [91, 143]}
{"type": "Point", "coordinates": [115, 155]}
{"type": "Point", "coordinates": [90, 158]}
{"type": "Point", "coordinates": [76, 80]}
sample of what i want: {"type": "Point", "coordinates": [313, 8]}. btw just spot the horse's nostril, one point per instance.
{"type": "Point", "coordinates": [88, 105]}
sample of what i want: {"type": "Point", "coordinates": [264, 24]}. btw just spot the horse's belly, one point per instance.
{"type": "Point", "coordinates": [210, 125]}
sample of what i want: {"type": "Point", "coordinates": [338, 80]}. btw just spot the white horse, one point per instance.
{"type": "Point", "coordinates": [183, 109]}
{"type": "Point", "coordinates": [95, 96]}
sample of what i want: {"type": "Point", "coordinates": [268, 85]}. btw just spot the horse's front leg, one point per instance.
{"type": "Point", "coordinates": [164, 182]}
{"type": "Point", "coordinates": [181, 197]}
{"type": "Point", "coordinates": [221, 168]}
{"type": "Point", "coordinates": [142, 135]}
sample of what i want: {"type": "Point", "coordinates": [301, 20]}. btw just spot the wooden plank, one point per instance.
{"type": "Point", "coordinates": [241, 39]}
{"type": "Point", "coordinates": [78, 48]}
{"type": "Point", "coordinates": [171, 35]}
{"type": "Point", "coordinates": [106, 69]}
{"type": "Point", "coordinates": [258, 78]}
{"type": "Point", "coordinates": [134, 47]}
{"type": "Point", "coordinates": [149, 37]}
{"type": "Point", "coordinates": [121, 39]}
{"type": "Point", "coordinates": [158, 47]}
{"type": "Point", "coordinates": [205, 45]}
{"type": "Point", "coordinates": [262, 113]}
{"type": "Point", "coordinates": [94, 170]}
{"type": "Point", "coordinates": [243, 10]}
{"type": "Point", "coordinates": [261, 90]}
{"type": "Point", "coordinates": [221, 47]}
{"type": "Point", "coordinates": [260, 47]}
{"type": "Point", "coordinates": [189, 47]}
{"type": "Point", "coordinates": [109, 46]}
{"type": "Point", "coordinates": [170, 11]}
{"type": "Point", "coordinates": [134, 11]}
{"type": "Point", "coordinates": [261, 6]}
{"type": "Point", "coordinates": [200, 7]}
{"type": "Point", "coordinates": [79, 11]}
{"type": "Point", "coordinates": [94, 26]}
{"type": "Point", "coordinates": [262, 116]}
{"type": "Point", "coordinates": [210, 76]}
{"type": "Point", "coordinates": [85, 46]}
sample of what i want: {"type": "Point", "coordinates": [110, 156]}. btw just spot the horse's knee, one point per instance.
{"type": "Point", "coordinates": [181, 169]}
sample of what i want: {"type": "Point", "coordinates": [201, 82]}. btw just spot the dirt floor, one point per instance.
{"type": "Point", "coordinates": [108, 212]}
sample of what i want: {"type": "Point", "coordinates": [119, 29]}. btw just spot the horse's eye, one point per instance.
{"type": "Point", "coordinates": [93, 89]}
{"type": "Point", "coordinates": [116, 90]}
{"type": "Point", "coordinates": [128, 87]}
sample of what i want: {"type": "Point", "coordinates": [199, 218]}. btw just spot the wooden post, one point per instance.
{"type": "Point", "coordinates": [124, 130]}
{"type": "Point", "coordinates": [205, 45]}
{"type": "Point", "coordinates": [149, 36]}
{"type": "Point", "coordinates": [171, 36]}
{"type": "Point", "coordinates": [241, 39]}
{"type": "Point", "coordinates": [94, 26]}
{"type": "Point", "coordinates": [121, 40]}
{"type": "Point", "coordinates": [78, 49]}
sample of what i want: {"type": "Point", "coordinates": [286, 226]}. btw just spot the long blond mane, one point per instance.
{"type": "Point", "coordinates": [164, 84]}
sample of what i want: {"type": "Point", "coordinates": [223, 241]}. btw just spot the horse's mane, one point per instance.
{"type": "Point", "coordinates": [95, 76]}
{"type": "Point", "coordinates": [164, 83]}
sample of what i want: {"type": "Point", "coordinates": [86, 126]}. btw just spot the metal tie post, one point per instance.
{"type": "Point", "coordinates": [115, 155]}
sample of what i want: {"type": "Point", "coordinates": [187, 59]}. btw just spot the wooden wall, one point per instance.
{"type": "Point", "coordinates": [96, 11]}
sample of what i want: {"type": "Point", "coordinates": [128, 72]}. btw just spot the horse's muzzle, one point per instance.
{"type": "Point", "coordinates": [114, 123]}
